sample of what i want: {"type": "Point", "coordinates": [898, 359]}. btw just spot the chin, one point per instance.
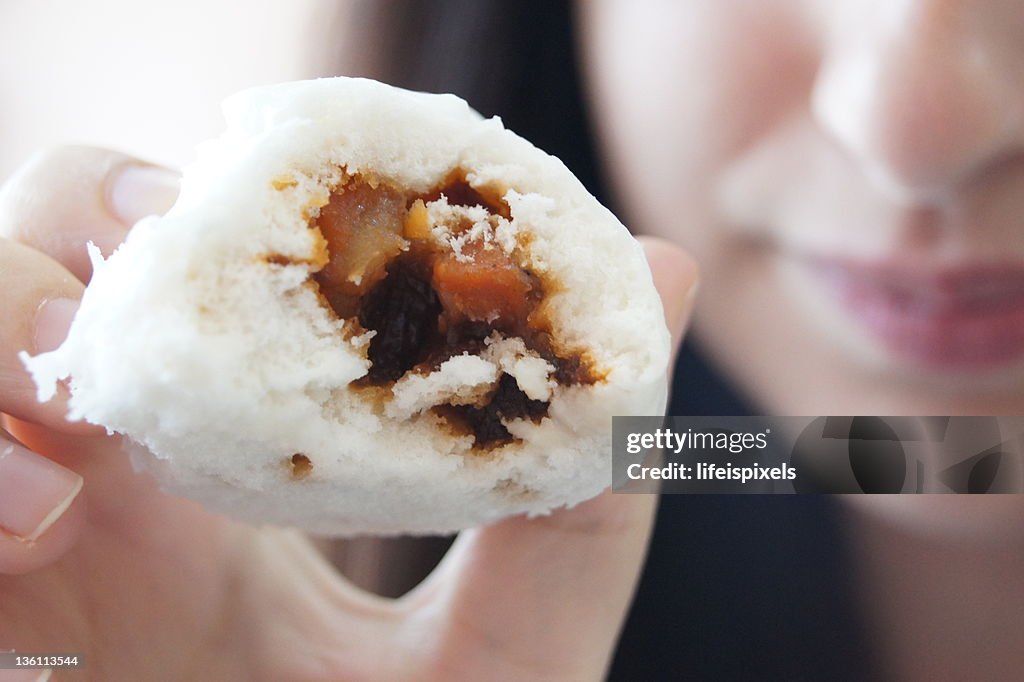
{"type": "Point", "coordinates": [980, 519]}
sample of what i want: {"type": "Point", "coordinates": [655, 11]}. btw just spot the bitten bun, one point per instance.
{"type": "Point", "coordinates": [370, 311]}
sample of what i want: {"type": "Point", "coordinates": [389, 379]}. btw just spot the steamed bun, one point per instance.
{"type": "Point", "coordinates": [370, 311]}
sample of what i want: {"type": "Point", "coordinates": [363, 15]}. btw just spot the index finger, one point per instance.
{"type": "Point", "coordinates": [49, 210]}
{"type": "Point", "coordinates": [68, 196]}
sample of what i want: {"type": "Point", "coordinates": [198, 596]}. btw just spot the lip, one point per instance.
{"type": "Point", "coordinates": [964, 317]}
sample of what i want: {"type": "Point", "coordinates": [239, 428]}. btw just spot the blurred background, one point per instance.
{"type": "Point", "coordinates": [147, 78]}
{"type": "Point", "coordinates": [751, 584]}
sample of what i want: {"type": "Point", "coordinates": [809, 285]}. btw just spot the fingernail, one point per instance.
{"type": "Point", "coordinates": [53, 319]}
{"type": "Point", "coordinates": [137, 190]}
{"type": "Point", "coordinates": [34, 491]}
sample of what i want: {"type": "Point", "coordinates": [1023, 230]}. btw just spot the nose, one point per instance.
{"type": "Point", "coordinates": [924, 94]}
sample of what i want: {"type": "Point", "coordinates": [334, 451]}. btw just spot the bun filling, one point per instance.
{"type": "Point", "coordinates": [437, 275]}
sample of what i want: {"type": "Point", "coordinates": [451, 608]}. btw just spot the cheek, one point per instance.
{"type": "Point", "coordinates": [682, 92]}
{"type": "Point", "coordinates": [982, 519]}
{"type": "Point", "coordinates": [680, 89]}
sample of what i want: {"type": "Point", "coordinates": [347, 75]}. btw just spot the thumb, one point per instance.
{"type": "Point", "coordinates": [546, 597]}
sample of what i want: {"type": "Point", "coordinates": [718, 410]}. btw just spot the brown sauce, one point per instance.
{"type": "Point", "coordinates": [301, 466]}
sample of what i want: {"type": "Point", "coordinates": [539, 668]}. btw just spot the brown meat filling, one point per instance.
{"type": "Point", "coordinates": [427, 305]}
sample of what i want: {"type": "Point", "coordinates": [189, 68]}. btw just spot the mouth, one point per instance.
{"type": "Point", "coordinates": [963, 317]}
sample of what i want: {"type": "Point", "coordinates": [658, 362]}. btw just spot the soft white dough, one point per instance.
{"type": "Point", "coordinates": [222, 366]}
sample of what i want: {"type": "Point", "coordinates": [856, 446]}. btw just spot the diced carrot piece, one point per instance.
{"type": "Point", "coordinates": [489, 288]}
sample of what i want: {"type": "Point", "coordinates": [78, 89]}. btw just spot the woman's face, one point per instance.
{"type": "Point", "coordinates": [849, 175]}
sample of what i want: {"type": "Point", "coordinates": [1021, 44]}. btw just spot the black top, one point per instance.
{"type": "Point", "coordinates": [742, 587]}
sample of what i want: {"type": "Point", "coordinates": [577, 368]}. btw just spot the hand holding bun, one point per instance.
{"type": "Point", "coordinates": [370, 310]}
{"type": "Point", "coordinates": [172, 591]}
